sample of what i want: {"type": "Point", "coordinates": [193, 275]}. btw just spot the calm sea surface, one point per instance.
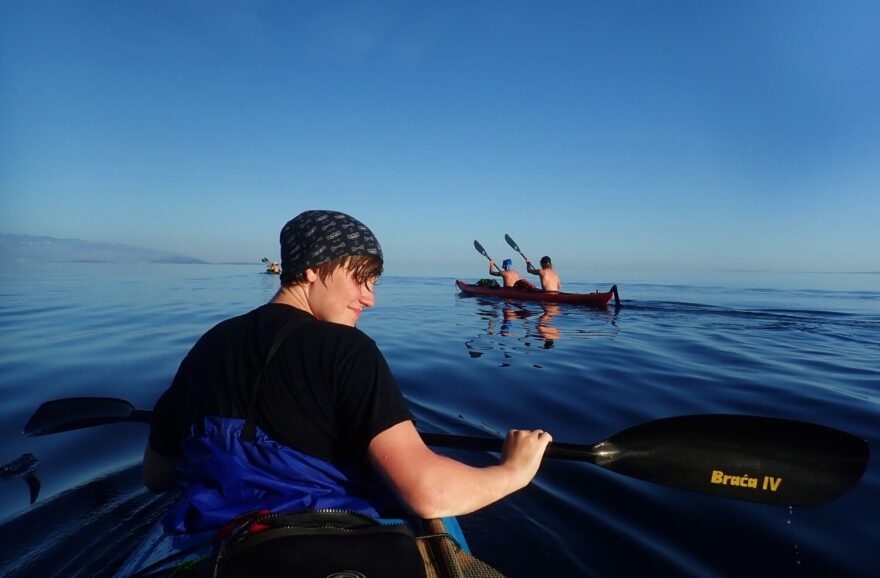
{"type": "Point", "coordinates": [801, 346]}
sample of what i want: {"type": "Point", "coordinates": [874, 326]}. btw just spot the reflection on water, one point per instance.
{"type": "Point", "coordinates": [548, 331]}
{"type": "Point", "coordinates": [512, 325]}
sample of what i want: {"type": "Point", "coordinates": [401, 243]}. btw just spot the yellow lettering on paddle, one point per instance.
{"type": "Point", "coordinates": [744, 481]}
{"type": "Point", "coordinates": [771, 483]}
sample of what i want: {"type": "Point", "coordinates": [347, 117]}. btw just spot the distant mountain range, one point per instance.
{"type": "Point", "coordinates": [50, 249]}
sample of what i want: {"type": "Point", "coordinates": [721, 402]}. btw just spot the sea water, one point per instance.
{"type": "Point", "coordinates": [798, 346]}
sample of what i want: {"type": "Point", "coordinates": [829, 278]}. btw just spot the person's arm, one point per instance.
{"type": "Point", "coordinates": [159, 472]}
{"type": "Point", "coordinates": [434, 486]}
{"type": "Point", "coordinates": [492, 264]}
{"type": "Point", "coordinates": [159, 468]}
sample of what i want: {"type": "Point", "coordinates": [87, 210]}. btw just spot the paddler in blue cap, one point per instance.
{"type": "Point", "coordinates": [308, 428]}
{"type": "Point", "coordinates": [506, 272]}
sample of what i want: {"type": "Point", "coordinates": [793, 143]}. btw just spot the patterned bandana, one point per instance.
{"type": "Point", "coordinates": [316, 237]}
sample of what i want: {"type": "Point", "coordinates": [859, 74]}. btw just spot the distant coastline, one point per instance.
{"type": "Point", "coordinates": [45, 249]}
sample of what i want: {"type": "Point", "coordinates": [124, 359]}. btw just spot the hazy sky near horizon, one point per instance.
{"type": "Point", "coordinates": [644, 135]}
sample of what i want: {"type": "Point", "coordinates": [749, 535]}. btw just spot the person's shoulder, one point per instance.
{"type": "Point", "coordinates": [345, 332]}
{"type": "Point", "coordinates": [224, 332]}
{"type": "Point", "coordinates": [326, 330]}
{"type": "Point", "coordinates": [266, 317]}
{"type": "Point", "coordinates": [345, 343]}
{"type": "Point", "coordinates": [231, 323]}
{"type": "Point", "coordinates": [279, 312]}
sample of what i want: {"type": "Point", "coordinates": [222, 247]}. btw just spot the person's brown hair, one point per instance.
{"type": "Point", "coordinates": [362, 267]}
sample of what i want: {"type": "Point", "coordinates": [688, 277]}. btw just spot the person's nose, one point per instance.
{"type": "Point", "coordinates": [368, 298]}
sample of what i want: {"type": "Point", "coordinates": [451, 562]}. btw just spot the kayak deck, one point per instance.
{"type": "Point", "coordinates": [446, 552]}
{"type": "Point", "coordinates": [597, 299]}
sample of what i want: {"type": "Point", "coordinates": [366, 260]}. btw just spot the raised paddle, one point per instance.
{"type": "Point", "coordinates": [514, 246]}
{"type": "Point", "coordinates": [758, 459]}
{"type": "Point", "coordinates": [482, 251]}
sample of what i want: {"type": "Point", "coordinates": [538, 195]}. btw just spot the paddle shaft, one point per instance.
{"type": "Point", "coordinates": [555, 450]}
{"type": "Point", "coordinates": [757, 459]}
{"type": "Point", "coordinates": [127, 414]}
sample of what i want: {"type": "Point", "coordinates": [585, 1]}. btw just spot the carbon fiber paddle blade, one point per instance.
{"type": "Point", "coordinates": [512, 243]}
{"type": "Point", "coordinates": [72, 413]}
{"type": "Point", "coordinates": [759, 459]}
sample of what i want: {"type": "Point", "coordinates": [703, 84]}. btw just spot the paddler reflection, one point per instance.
{"type": "Point", "coordinates": [549, 332]}
{"type": "Point", "coordinates": [518, 326]}
{"type": "Point", "coordinates": [512, 312]}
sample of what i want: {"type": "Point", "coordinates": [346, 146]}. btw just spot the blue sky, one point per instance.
{"type": "Point", "coordinates": [633, 135]}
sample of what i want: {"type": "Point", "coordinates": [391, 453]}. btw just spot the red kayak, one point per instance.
{"type": "Point", "coordinates": [597, 299]}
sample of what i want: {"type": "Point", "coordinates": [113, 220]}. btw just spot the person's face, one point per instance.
{"type": "Point", "coordinates": [339, 299]}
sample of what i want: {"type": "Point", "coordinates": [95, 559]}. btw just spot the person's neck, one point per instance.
{"type": "Point", "coordinates": [294, 296]}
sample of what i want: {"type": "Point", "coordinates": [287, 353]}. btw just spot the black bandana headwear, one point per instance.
{"type": "Point", "coordinates": [313, 238]}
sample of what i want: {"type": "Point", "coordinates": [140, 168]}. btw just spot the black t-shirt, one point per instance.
{"type": "Point", "coordinates": [327, 391]}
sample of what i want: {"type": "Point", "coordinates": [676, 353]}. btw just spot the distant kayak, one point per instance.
{"type": "Point", "coordinates": [272, 267]}
{"type": "Point", "coordinates": [597, 299]}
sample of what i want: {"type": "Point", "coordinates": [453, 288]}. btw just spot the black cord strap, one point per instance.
{"type": "Point", "coordinates": [249, 432]}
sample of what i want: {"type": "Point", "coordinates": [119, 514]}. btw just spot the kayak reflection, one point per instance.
{"type": "Point", "coordinates": [511, 325]}
{"type": "Point", "coordinates": [512, 320]}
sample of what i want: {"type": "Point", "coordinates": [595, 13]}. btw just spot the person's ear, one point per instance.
{"type": "Point", "coordinates": [311, 275]}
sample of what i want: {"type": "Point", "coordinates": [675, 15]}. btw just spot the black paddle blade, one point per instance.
{"type": "Point", "coordinates": [482, 251]}
{"type": "Point", "coordinates": [34, 485]}
{"type": "Point", "coordinates": [72, 413]}
{"type": "Point", "coordinates": [514, 246]}
{"type": "Point", "coordinates": [758, 459]}
{"type": "Point", "coordinates": [24, 466]}
{"type": "Point", "coordinates": [512, 243]}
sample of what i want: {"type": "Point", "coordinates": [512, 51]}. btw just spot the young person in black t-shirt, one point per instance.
{"type": "Point", "coordinates": [326, 403]}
